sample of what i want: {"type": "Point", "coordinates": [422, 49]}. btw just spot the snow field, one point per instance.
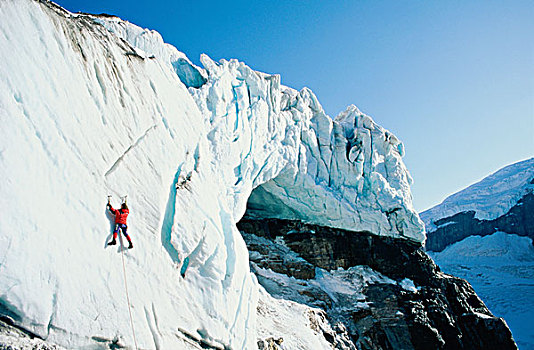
{"type": "Point", "coordinates": [500, 267]}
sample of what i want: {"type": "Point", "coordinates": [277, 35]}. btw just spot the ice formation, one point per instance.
{"type": "Point", "coordinates": [347, 172]}
{"type": "Point", "coordinates": [93, 105]}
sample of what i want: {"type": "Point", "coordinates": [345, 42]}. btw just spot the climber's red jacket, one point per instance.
{"type": "Point", "coordinates": [120, 215]}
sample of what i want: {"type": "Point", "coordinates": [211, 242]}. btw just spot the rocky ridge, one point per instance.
{"type": "Point", "coordinates": [377, 292]}
{"type": "Point", "coordinates": [518, 220]}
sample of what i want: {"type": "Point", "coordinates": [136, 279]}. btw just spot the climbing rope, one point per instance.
{"type": "Point", "coordinates": [126, 288]}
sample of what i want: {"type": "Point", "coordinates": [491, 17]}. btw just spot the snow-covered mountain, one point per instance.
{"type": "Point", "coordinates": [503, 201]}
{"type": "Point", "coordinates": [94, 105]}
{"type": "Point", "coordinates": [476, 234]}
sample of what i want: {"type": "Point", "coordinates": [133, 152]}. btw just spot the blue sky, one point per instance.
{"type": "Point", "coordinates": [454, 80]}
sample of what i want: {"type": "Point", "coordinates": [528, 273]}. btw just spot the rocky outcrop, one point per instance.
{"type": "Point", "coordinates": [15, 338]}
{"type": "Point", "coordinates": [270, 344]}
{"type": "Point", "coordinates": [278, 258]}
{"type": "Point", "coordinates": [518, 220]}
{"type": "Point", "coordinates": [387, 293]}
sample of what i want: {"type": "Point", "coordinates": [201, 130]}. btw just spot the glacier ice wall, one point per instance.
{"type": "Point", "coordinates": [83, 116]}
{"type": "Point", "coordinates": [93, 105]}
{"type": "Point", "coordinates": [347, 172]}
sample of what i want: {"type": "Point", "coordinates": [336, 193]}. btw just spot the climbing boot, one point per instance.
{"type": "Point", "coordinates": [130, 246]}
{"type": "Point", "coordinates": [113, 242]}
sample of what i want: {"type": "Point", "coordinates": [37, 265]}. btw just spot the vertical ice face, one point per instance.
{"type": "Point", "coordinates": [84, 116]}
{"type": "Point", "coordinates": [94, 105]}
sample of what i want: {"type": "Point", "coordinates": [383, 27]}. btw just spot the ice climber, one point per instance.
{"type": "Point", "coordinates": [120, 223]}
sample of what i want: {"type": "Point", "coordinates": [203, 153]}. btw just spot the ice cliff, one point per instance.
{"type": "Point", "coordinates": [93, 105]}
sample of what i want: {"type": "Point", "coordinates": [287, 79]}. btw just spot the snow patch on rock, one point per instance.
{"type": "Point", "coordinates": [307, 327]}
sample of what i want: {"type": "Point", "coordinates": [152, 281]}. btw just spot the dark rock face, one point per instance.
{"type": "Point", "coordinates": [444, 313]}
{"type": "Point", "coordinates": [277, 258]}
{"type": "Point", "coordinates": [518, 220]}
{"type": "Point", "coordinates": [16, 338]}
